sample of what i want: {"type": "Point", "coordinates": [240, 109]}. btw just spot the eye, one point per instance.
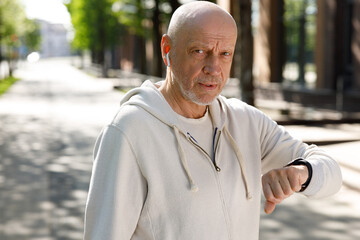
{"type": "Point", "coordinates": [227, 54]}
{"type": "Point", "coordinates": [199, 51]}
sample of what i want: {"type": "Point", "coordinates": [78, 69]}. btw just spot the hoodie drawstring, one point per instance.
{"type": "Point", "coordinates": [194, 188]}
{"type": "Point", "coordinates": [241, 162]}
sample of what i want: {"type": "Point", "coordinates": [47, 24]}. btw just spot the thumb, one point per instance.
{"type": "Point", "coordinates": [269, 207]}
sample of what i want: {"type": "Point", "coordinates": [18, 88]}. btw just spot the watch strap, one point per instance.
{"type": "Point", "coordinates": [301, 161]}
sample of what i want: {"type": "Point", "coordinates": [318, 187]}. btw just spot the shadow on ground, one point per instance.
{"type": "Point", "coordinates": [48, 125]}
{"type": "Point", "coordinates": [300, 218]}
{"type": "Point", "coordinates": [44, 177]}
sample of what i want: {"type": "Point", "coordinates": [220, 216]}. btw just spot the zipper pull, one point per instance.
{"type": "Point", "coordinates": [217, 168]}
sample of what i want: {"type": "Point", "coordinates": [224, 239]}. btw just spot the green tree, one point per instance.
{"type": "Point", "coordinates": [100, 24]}
{"type": "Point", "coordinates": [132, 15]}
{"type": "Point", "coordinates": [11, 18]}
{"type": "Point", "coordinates": [147, 20]}
{"type": "Point", "coordinates": [300, 26]}
{"type": "Point", "coordinates": [96, 27]}
{"type": "Point", "coordinates": [31, 37]}
{"type": "Point", "coordinates": [81, 23]}
{"type": "Point", "coordinates": [15, 30]}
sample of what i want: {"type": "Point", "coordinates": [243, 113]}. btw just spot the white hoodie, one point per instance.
{"type": "Point", "coordinates": [151, 181]}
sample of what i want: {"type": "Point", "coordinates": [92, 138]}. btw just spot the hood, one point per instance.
{"type": "Point", "coordinates": [148, 97]}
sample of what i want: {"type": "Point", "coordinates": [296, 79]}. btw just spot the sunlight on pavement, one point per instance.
{"type": "Point", "coordinates": [49, 122]}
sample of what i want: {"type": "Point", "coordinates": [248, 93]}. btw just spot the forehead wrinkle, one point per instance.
{"type": "Point", "coordinates": [208, 39]}
{"type": "Point", "coordinates": [215, 44]}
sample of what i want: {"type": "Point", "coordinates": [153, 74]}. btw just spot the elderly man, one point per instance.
{"type": "Point", "coordinates": [181, 162]}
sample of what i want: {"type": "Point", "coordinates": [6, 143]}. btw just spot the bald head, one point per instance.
{"type": "Point", "coordinates": [198, 51]}
{"type": "Point", "coordinates": [195, 14]}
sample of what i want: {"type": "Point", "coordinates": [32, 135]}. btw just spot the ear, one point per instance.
{"type": "Point", "coordinates": [165, 49]}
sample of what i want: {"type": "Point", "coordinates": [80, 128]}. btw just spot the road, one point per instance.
{"type": "Point", "coordinates": [48, 125]}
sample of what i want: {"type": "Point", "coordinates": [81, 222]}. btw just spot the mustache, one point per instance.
{"type": "Point", "coordinates": [208, 80]}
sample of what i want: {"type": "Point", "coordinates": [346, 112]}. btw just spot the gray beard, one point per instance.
{"type": "Point", "coordinates": [192, 97]}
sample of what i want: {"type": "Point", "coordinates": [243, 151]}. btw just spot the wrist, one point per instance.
{"type": "Point", "coordinates": [303, 162]}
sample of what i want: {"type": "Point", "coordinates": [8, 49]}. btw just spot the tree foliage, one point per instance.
{"type": "Point", "coordinates": [11, 17]}
{"type": "Point", "coordinates": [16, 30]}
{"type": "Point", "coordinates": [101, 24]}
{"type": "Point", "coordinates": [96, 25]}
{"type": "Point", "coordinates": [32, 37]}
{"type": "Point", "coordinates": [147, 19]}
{"type": "Point", "coordinates": [297, 11]}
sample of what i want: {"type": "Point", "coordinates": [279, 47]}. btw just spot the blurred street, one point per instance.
{"type": "Point", "coordinates": [49, 122]}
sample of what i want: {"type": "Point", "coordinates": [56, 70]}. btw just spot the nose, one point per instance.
{"type": "Point", "coordinates": [212, 66]}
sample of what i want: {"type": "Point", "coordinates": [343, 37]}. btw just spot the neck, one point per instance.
{"type": "Point", "coordinates": [178, 103]}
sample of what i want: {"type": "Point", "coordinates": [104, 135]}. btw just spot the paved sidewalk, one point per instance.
{"type": "Point", "coordinates": [48, 124]}
{"type": "Point", "coordinates": [333, 218]}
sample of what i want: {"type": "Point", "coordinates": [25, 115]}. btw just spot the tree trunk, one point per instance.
{"type": "Point", "coordinates": [101, 42]}
{"type": "Point", "coordinates": [244, 55]}
{"type": "Point", "coordinates": [157, 67]}
{"type": "Point", "coordinates": [140, 51]}
{"type": "Point", "coordinates": [174, 5]}
{"type": "Point", "coordinates": [82, 59]}
{"type": "Point", "coordinates": [301, 47]}
{"type": "Point", "coordinates": [11, 61]}
{"type": "Point", "coordinates": [1, 57]}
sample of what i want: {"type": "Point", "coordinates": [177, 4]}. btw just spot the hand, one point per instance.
{"type": "Point", "coordinates": [279, 184]}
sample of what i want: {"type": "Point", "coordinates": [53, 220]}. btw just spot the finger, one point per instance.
{"type": "Point", "coordinates": [273, 185]}
{"type": "Point", "coordinates": [271, 201]}
{"type": "Point", "coordinates": [286, 186]}
{"type": "Point", "coordinates": [268, 192]}
{"type": "Point", "coordinates": [269, 207]}
{"type": "Point", "coordinates": [277, 192]}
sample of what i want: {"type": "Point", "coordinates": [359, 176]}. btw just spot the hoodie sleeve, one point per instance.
{"type": "Point", "coordinates": [278, 148]}
{"type": "Point", "coordinates": [117, 189]}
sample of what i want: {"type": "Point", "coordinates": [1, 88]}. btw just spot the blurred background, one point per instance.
{"type": "Point", "coordinates": [299, 51]}
{"type": "Point", "coordinates": [65, 64]}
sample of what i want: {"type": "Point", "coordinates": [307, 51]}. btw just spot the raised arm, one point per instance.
{"type": "Point", "coordinates": [280, 181]}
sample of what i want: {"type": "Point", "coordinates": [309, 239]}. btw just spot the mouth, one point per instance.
{"type": "Point", "coordinates": [209, 86]}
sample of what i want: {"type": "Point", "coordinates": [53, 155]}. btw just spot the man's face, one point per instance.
{"type": "Point", "coordinates": [202, 59]}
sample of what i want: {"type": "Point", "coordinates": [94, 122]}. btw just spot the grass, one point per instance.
{"type": "Point", "coordinates": [6, 83]}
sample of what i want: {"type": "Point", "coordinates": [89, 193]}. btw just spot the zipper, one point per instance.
{"type": "Point", "coordinates": [215, 144]}
{"type": "Point", "coordinates": [216, 138]}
